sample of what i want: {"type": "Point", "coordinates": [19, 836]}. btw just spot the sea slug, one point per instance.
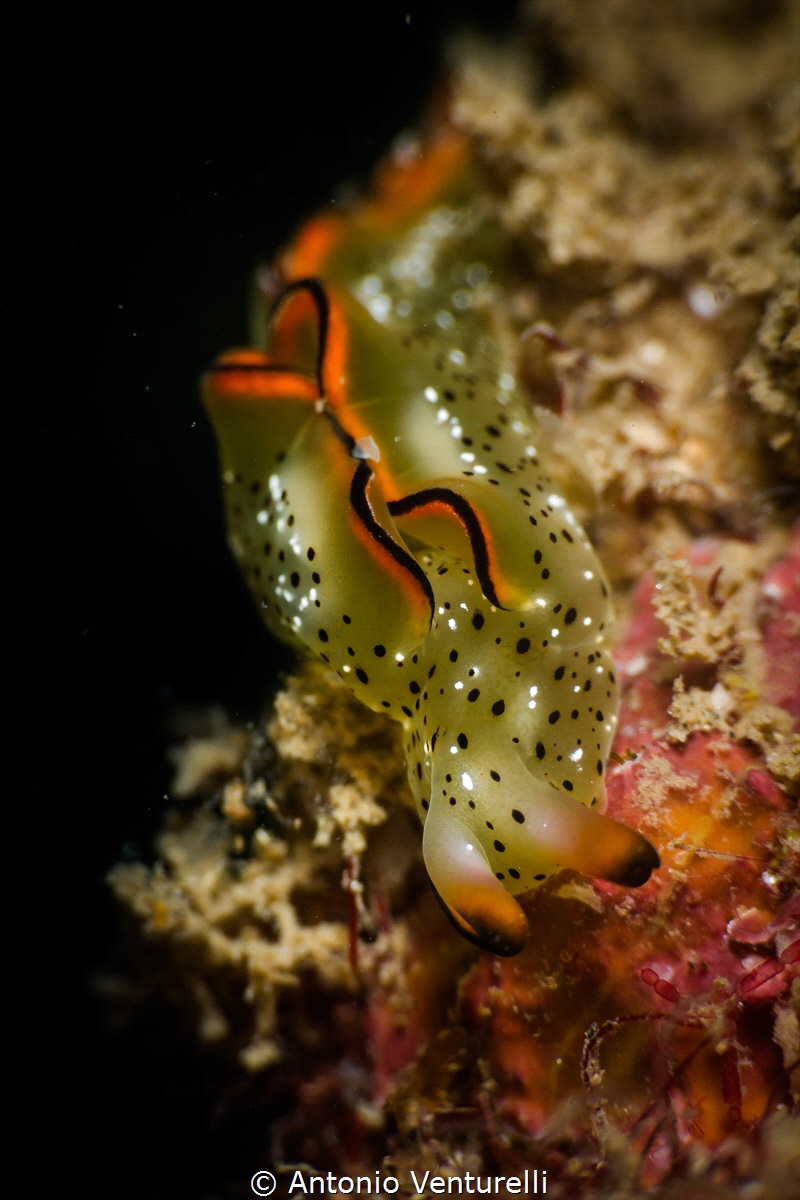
{"type": "Point", "coordinates": [388, 501]}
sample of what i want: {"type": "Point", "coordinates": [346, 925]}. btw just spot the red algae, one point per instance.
{"type": "Point", "coordinates": [644, 1038]}
{"type": "Point", "coordinates": [651, 1015]}
{"type": "Point", "coordinates": [780, 592]}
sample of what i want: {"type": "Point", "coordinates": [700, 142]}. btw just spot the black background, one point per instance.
{"type": "Point", "coordinates": [158, 170]}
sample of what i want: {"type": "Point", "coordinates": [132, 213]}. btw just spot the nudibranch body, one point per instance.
{"type": "Point", "coordinates": [388, 503]}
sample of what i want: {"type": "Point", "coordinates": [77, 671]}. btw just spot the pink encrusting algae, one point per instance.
{"type": "Point", "coordinates": [645, 1038]}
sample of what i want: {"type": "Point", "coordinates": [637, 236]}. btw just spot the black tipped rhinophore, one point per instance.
{"type": "Point", "coordinates": [636, 870]}
{"type": "Point", "coordinates": [485, 939]}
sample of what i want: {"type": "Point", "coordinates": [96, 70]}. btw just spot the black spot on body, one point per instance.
{"type": "Point", "coordinates": [362, 675]}
{"type": "Point", "coordinates": [513, 872]}
{"type": "Point", "coordinates": [570, 615]}
{"type": "Point", "coordinates": [311, 553]}
{"type": "Point", "coordinates": [477, 620]}
{"type": "Point", "coordinates": [499, 707]}
{"type": "Point", "coordinates": [540, 751]}
{"type": "Point", "coordinates": [463, 741]}
{"type": "Point", "coordinates": [554, 716]}
{"type": "Point", "coordinates": [499, 847]}
{"type": "Point", "coordinates": [568, 785]}
{"type": "Point", "coordinates": [537, 556]}
{"type": "Point", "coordinates": [379, 651]}
{"type": "Point", "coordinates": [495, 776]}
{"type": "Point", "coordinates": [323, 637]}
{"type": "Point", "coordinates": [295, 579]}
{"type": "Point", "coordinates": [414, 687]}
{"type": "Point", "coordinates": [558, 673]}
{"type": "Point", "coordinates": [453, 656]}
{"type": "Point", "coordinates": [518, 816]}
{"type": "Point", "coordinates": [473, 695]}
{"type": "Point", "coordinates": [523, 645]}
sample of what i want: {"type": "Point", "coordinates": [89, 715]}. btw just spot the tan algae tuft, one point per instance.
{"type": "Point", "coordinates": [650, 203]}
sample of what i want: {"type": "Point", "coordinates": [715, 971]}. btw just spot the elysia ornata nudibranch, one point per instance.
{"type": "Point", "coordinates": [387, 504]}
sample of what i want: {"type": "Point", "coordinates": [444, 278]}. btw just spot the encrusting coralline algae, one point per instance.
{"type": "Point", "coordinates": [645, 1039]}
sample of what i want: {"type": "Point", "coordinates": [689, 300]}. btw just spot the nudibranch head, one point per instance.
{"type": "Point", "coordinates": [389, 503]}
